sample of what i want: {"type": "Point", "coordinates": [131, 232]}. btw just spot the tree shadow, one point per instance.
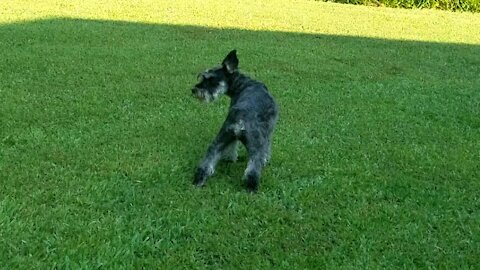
{"type": "Point", "coordinates": [120, 83]}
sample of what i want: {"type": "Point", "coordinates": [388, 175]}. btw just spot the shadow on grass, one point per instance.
{"type": "Point", "coordinates": [120, 83]}
{"type": "Point", "coordinates": [97, 117]}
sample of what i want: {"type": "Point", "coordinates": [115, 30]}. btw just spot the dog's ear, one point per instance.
{"type": "Point", "coordinates": [230, 63]}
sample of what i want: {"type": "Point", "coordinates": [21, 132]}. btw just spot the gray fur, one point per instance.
{"type": "Point", "coordinates": [251, 120]}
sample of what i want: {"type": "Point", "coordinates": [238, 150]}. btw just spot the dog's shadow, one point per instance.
{"type": "Point", "coordinates": [231, 172]}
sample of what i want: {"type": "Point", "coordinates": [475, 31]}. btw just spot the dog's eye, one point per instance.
{"type": "Point", "coordinates": [210, 80]}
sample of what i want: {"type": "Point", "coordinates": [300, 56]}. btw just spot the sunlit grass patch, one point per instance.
{"type": "Point", "coordinates": [302, 16]}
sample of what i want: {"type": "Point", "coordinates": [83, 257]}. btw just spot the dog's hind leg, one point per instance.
{"type": "Point", "coordinates": [252, 173]}
{"type": "Point", "coordinates": [257, 153]}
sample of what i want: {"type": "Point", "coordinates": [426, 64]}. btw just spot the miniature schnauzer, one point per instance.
{"type": "Point", "coordinates": [251, 119]}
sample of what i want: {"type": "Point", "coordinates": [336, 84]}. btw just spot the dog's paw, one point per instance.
{"type": "Point", "coordinates": [252, 182]}
{"type": "Point", "coordinates": [200, 177]}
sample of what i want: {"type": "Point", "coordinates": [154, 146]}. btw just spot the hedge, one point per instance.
{"type": "Point", "coordinates": [452, 5]}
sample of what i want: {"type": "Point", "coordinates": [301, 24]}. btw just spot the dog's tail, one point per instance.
{"type": "Point", "coordinates": [238, 128]}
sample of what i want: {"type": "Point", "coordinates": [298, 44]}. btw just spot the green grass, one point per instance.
{"type": "Point", "coordinates": [375, 158]}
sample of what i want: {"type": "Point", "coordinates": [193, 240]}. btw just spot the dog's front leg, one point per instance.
{"type": "Point", "coordinates": [209, 162]}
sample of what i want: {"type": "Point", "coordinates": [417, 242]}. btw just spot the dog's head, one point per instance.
{"type": "Point", "coordinates": [214, 82]}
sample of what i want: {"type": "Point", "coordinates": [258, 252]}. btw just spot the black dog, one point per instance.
{"type": "Point", "coordinates": [251, 119]}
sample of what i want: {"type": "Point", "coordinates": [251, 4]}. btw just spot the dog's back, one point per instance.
{"type": "Point", "coordinates": [251, 101]}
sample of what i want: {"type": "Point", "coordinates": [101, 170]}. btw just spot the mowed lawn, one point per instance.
{"type": "Point", "coordinates": [376, 156]}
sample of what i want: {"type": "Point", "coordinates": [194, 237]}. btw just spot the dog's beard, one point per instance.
{"type": "Point", "coordinates": [210, 97]}
{"type": "Point", "coordinates": [203, 96]}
